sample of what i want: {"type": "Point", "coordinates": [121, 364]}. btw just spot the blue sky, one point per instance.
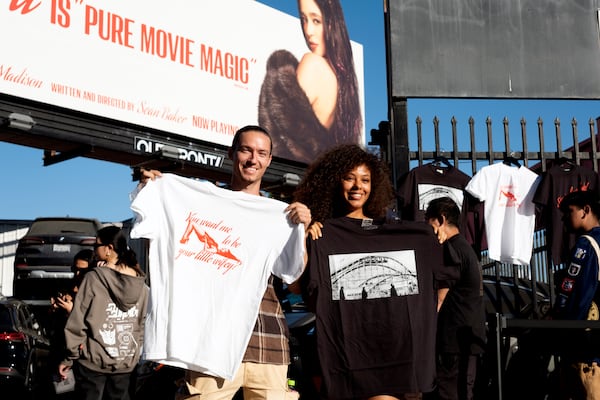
{"type": "Point", "coordinates": [90, 188]}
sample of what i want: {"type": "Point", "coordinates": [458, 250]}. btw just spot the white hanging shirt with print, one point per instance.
{"type": "Point", "coordinates": [507, 193]}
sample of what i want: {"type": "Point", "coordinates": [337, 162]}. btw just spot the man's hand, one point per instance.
{"type": "Point", "coordinates": [298, 213]}
{"type": "Point", "coordinates": [148, 174]}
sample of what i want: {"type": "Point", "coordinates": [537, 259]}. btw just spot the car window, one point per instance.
{"type": "Point", "coordinates": [22, 317]}
{"type": "Point", "coordinates": [5, 319]}
{"type": "Point", "coordinates": [27, 316]}
{"type": "Point", "coordinates": [50, 227]}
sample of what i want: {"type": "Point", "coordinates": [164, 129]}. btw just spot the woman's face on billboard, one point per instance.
{"type": "Point", "coordinates": [312, 26]}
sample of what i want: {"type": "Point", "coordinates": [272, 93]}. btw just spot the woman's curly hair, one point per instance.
{"type": "Point", "coordinates": [321, 188]}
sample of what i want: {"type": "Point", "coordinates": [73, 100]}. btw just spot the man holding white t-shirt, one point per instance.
{"type": "Point", "coordinates": [214, 250]}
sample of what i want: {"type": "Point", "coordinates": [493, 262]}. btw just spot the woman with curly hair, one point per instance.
{"type": "Point", "coordinates": [314, 103]}
{"type": "Point", "coordinates": [323, 186]}
{"type": "Point", "coordinates": [370, 283]}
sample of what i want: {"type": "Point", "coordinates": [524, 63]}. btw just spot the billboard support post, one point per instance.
{"type": "Point", "coordinates": [400, 151]}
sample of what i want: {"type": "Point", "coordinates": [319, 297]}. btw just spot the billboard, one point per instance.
{"type": "Point", "coordinates": [495, 49]}
{"type": "Point", "coordinates": [195, 69]}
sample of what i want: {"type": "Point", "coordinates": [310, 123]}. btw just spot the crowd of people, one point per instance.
{"type": "Point", "coordinates": [398, 304]}
{"type": "Point", "coordinates": [333, 243]}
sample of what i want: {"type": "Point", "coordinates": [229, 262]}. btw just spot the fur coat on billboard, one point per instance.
{"type": "Point", "coordinates": [285, 111]}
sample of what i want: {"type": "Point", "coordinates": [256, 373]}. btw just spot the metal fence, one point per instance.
{"type": "Point", "coordinates": [583, 152]}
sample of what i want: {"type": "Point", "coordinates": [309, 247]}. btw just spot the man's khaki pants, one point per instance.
{"type": "Point", "coordinates": [259, 382]}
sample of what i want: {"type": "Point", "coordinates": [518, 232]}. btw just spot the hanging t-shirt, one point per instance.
{"type": "Point", "coordinates": [422, 184]}
{"type": "Point", "coordinates": [507, 193]}
{"type": "Point", "coordinates": [555, 184]}
{"type": "Point", "coordinates": [212, 251]}
{"type": "Point", "coordinates": [373, 292]}
{"type": "Point", "coordinates": [428, 182]}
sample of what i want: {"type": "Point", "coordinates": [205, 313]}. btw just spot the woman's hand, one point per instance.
{"type": "Point", "coordinates": [65, 302]}
{"type": "Point", "coordinates": [314, 230]}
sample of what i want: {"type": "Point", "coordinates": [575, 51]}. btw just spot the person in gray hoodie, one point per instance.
{"type": "Point", "coordinates": [104, 332]}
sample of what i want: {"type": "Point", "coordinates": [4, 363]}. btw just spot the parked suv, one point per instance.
{"type": "Point", "coordinates": [45, 254]}
{"type": "Point", "coordinates": [23, 347]}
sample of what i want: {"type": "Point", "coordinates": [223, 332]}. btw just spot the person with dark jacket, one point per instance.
{"type": "Point", "coordinates": [461, 332]}
{"type": "Point", "coordinates": [578, 295]}
{"type": "Point", "coordinates": [104, 332]}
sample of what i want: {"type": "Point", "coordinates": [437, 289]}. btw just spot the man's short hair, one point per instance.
{"type": "Point", "coordinates": [238, 135]}
{"type": "Point", "coordinates": [581, 198]}
{"type": "Point", "coordinates": [443, 206]}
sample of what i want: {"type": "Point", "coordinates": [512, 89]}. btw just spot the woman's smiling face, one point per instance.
{"type": "Point", "coordinates": [356, 188]}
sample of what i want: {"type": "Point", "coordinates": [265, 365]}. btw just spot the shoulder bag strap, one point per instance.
{"type": "Point", "coordinates": [596, 248]}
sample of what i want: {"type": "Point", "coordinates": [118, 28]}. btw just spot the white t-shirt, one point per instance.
{"type": "Point", "coordinates": [509, 210]}
{"type": "Point", "coordinates": [212, 251]}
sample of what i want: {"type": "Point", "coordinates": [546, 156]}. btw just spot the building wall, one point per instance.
{"type": "Point", "coordinates": [10, 233]}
